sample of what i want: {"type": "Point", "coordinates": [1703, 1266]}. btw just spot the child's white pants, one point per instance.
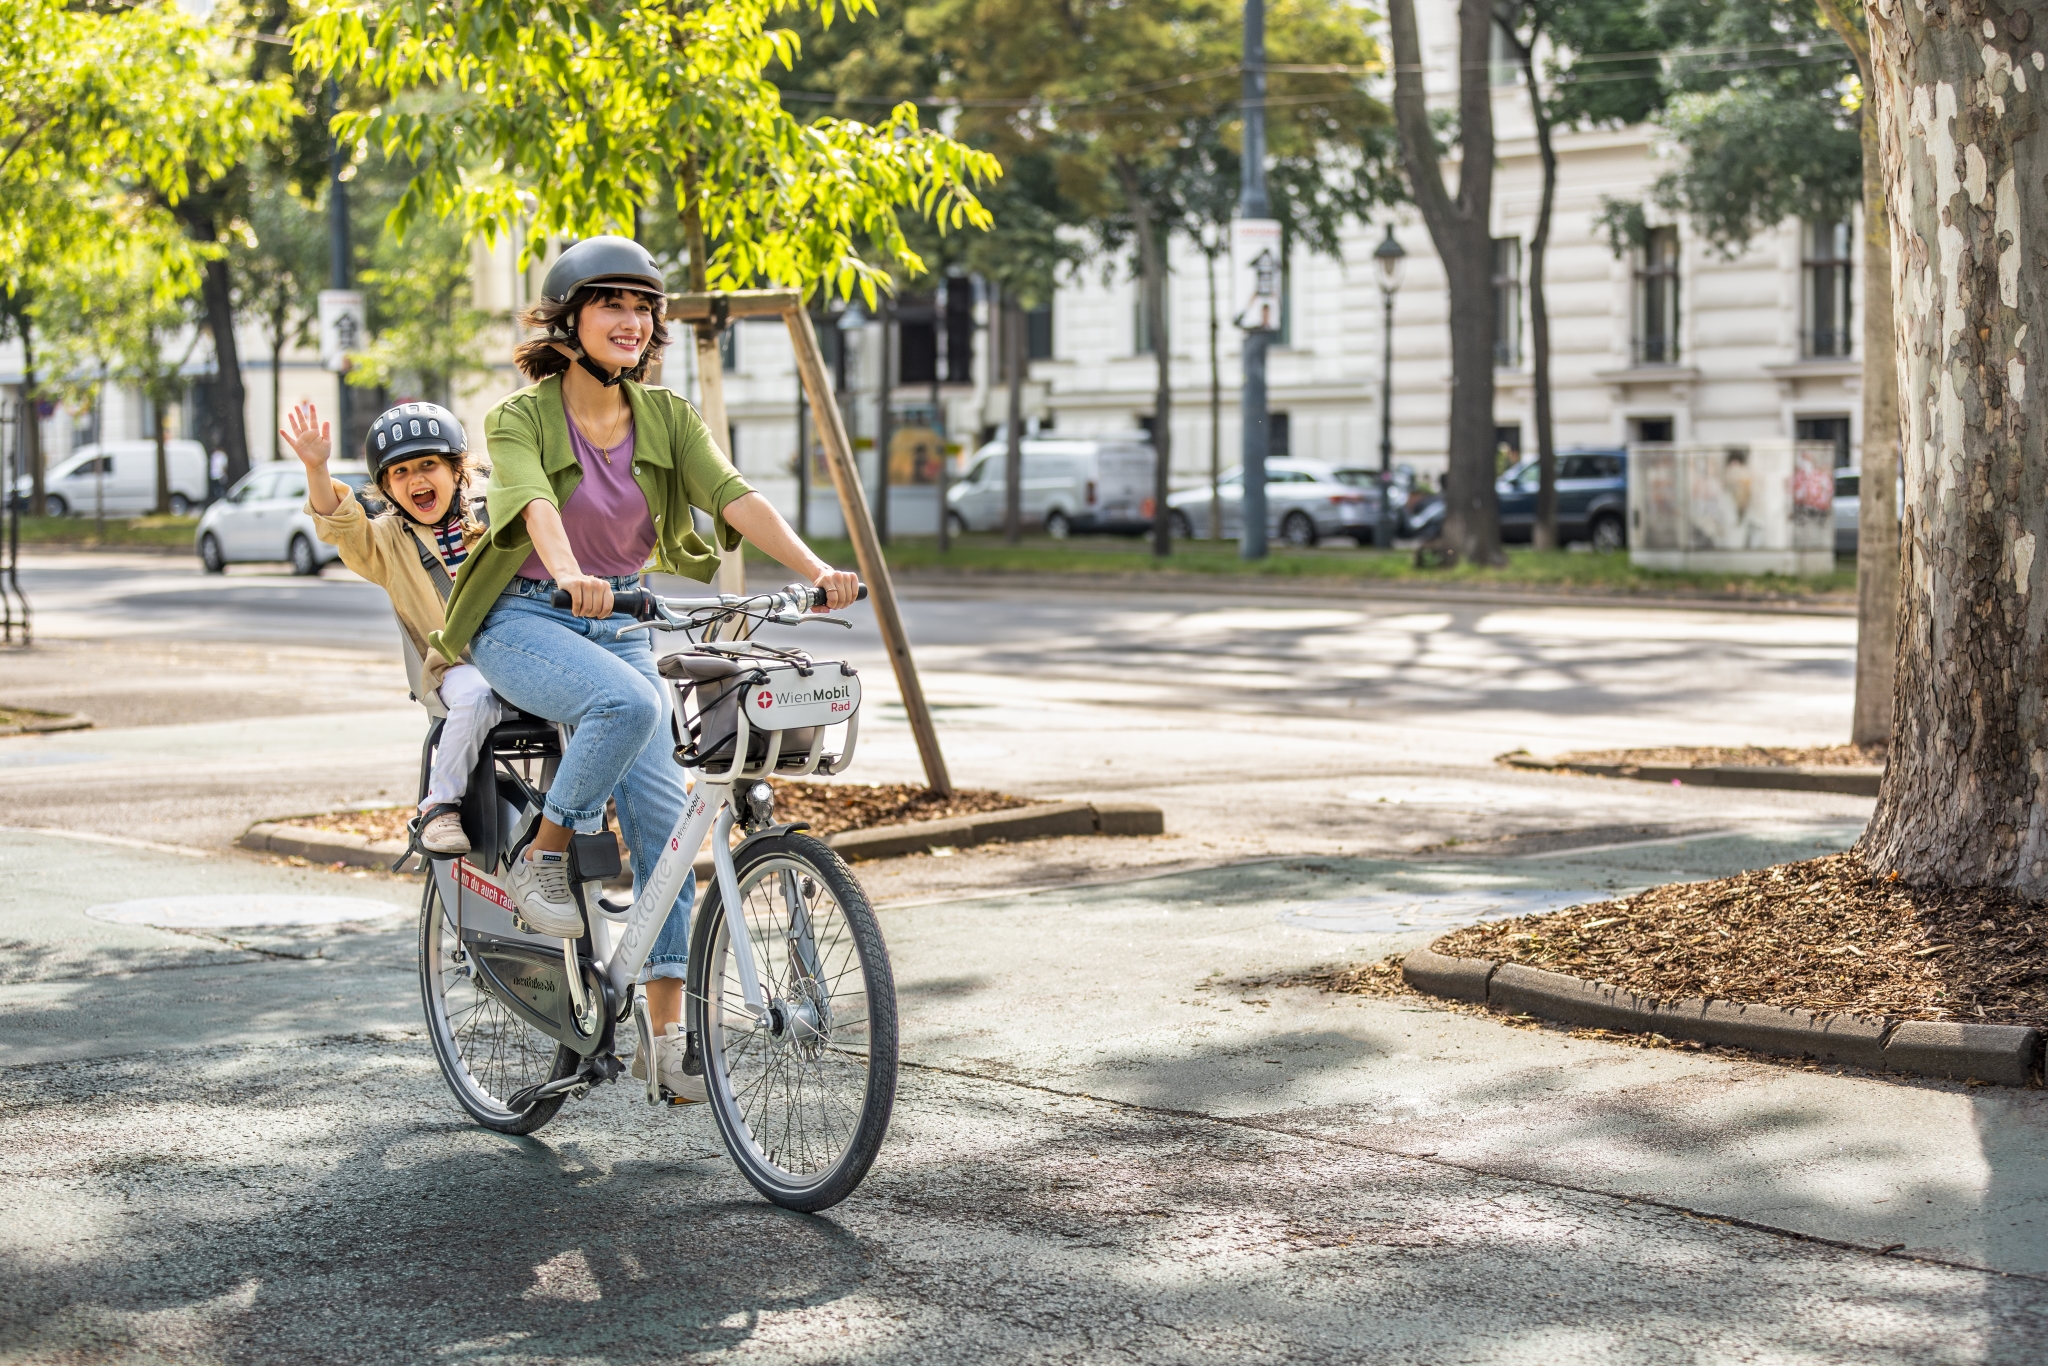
{"type": "Point", "coordinates": [472, 710]}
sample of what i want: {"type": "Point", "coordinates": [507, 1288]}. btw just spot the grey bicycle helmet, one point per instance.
{"type": "Point", "coordinates": [618, 261]}
{"type": "Point", "coordinates": [603, 262]}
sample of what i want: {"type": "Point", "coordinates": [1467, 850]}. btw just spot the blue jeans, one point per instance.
{"type": "Point", "coordinates": [548, 662]}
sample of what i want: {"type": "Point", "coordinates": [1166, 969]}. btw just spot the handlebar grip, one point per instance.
{"type": "Point", "coordinates": [817, 597]}
{"type": "Point", "coordinates": [636, 603]}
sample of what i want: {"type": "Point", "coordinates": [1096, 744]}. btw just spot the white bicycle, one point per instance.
{"type": "Point", "coordinates": [790, 1003]}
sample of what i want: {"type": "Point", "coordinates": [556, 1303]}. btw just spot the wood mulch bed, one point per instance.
{"type": "Point", "coordinates": [1823, 935]}
{"type": "Point", "coordinates": [1730, 756]}
{"type": "Point", "coordinates": [829, 807]}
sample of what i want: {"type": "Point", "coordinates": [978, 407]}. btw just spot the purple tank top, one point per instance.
{"type": "Point", "coordinates": [607, 520]}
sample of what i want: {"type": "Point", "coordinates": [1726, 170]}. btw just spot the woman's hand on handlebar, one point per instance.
{"type": "Point", "coordinates": [840, 587]}
{"type": "Point", "coordinates": [588, 596]}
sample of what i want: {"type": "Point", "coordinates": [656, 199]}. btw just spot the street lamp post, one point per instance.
{"type": "Point", "coordinates": [1389, 258]}
{"type": "Point", "coordinates": [1253, 206]}
{"type": "Point", "coordinates": [338, 263]}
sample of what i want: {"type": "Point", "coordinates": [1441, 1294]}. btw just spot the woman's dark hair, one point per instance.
{"type": "Point", "coordinates": [556, 320]}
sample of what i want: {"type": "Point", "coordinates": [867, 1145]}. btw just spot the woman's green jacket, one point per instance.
{"type": "Point", "coordinates": [527, 439]}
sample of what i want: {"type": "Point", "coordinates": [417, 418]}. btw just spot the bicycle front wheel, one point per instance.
{"type": "Point", "coordinates": [801, 1095]}
{"type": "Point", "coordinates": [487, 1054]}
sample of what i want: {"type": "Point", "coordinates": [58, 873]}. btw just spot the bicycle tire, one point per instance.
{"type": "Point", "coordinates": [783, 1095]}
{"type": "Point", "coordinates": [484, 1051]}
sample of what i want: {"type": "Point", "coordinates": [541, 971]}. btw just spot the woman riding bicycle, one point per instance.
{"type": "Point", "coordinates": [592, 474]}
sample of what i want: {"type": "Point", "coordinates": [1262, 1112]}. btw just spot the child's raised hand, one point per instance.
{"type": "Point", "coordinates": [310, 439]}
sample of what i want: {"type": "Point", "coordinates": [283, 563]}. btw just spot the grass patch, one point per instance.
{"type": "Point", "coordinates": [1569, 571]}
{"type": "Point", "coordinates": [119, 531]}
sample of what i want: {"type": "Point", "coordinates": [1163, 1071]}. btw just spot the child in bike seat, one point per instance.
{"type": "Point", "coordinates": [419, 461]}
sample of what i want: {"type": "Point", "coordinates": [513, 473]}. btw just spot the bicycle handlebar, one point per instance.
{"type": "Point", "coordinates": [639, 603]}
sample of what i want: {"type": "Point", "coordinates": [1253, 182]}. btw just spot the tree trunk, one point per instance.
{"type": "Point", "coordinates": [1215, 409]}
{"type": "Point", "coordinates": [1459, 229]}
{"type": "Point", "coordinates": [885, 319]}
{"type": "Point", "coordinates": [163, 463]}
{"type": "Point", "coordinates": [30, 442]}
{"type": "Point", "coordinates": [1013, 454]}
{"type": "Point", "coordinates": [1877, 517]}
{"type": "Point", "coordinates": [1152, 297]}
{"type": "Point", "coordinates": [1545, 532]}
{"type": "Point", "coordinates": [1965, 795]}
{"type": "Point", "coordinates": [279, 321]}
{"type": "Point", "coordinates": [230, 398]}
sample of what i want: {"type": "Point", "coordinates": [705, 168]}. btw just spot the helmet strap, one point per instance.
{"type": "Point", "coordinates": [597, 372]}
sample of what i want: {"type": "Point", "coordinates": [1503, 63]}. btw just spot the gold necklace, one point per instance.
{"type": "Point", "coordinates": [618, 431]}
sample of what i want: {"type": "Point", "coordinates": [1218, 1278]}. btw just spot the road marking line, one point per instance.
{"type": "Point", "coordinates": [185, 849]}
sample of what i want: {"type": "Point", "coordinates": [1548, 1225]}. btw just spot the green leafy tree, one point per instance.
{"type": "Point", "coordinates": [1765, 100]}
{"type": "Point", "coordinates": [278, 256]}
{"type": "Point", "coordinates": [109, 119]}
{"type": "Point", "coordinates": [117, 322]}
{"type": "Point", "coordinates": [1603, 69]}
{"type": "Point", "coordinates": [426, 337]}
{"type": "Point", "coordinates": [568, 118]}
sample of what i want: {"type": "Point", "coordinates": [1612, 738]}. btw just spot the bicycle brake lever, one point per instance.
{"type": "Point", "coordinates": [825, 621]}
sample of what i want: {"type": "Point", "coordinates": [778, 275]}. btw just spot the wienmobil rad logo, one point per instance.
{"type": "Point", "coordinates": [796, 697]}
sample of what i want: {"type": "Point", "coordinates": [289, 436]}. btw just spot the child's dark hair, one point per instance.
{"type": "Point", "coordinates": [556, 320]}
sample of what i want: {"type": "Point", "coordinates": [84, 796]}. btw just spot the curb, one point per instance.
{"type": "Point", "coordinates": [48, 722]}
{"type": "Point", "coordinates": [1377, 590]}
{"type": "Point", "coordinates": [1045, 821]}
{"type": "Point", "coordinates": [2009, 1055]}
{"type": "Point", "coordinates": [326, 846]}
{"type": "Point", "coordinates": [1852, 782]}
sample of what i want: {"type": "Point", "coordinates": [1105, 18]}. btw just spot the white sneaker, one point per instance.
{"type": "Point", "coordinates": [443, 834]}
{"type": "Point", "coordinates": [540, 883]}
{"type": "Point", "coordinates": [671, 1056]}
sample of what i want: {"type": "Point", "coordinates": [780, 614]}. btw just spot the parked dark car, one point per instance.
{"type": "Point", "coordinates": [1592, 497]}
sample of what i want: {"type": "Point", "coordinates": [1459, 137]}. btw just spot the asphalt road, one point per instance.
{"type": "Point", "coordinates": [1119, 1136]}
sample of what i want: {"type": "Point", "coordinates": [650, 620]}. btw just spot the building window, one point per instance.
{"type": "Point", "coordinates": [1507, 302]}
{"type": "Point", "coordinates": [959, 330]}
{"type": "Point", "coordinates": [1657, 299]}
{"type": "Point", "coordinates": [1650, 431]}
{"type": "Point", "coordinates": [1828, 306]}
{"type": "Point", "coordinates": [1279, 436]}
{"type": "Point", "coordinates": [1833, 430]}
{"type": "Point", "coordinates": [1502, 66]}
{"type": "Point", "coordinates": [1038, 333]}
{"type": "Point", "coordinates": [729, 348]}
{"type": "Point", "coordinates": [917, 342]}
{"type": "Point", "coordinates": [1141, 331]}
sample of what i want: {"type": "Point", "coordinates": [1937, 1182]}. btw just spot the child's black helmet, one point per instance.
{"type": "Point", "coordinates": [406, 430]}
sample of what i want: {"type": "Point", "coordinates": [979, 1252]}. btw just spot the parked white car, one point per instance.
{"type": "Point", "coordinates": [119, 479]}
{"type": "Point", "coordinates": [1306, 501]}
{"type": "Point", "coordinates": [263, 517]}
{"type": "Point", "coordinates": [1070, 484]}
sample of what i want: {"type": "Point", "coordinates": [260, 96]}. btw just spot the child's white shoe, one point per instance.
{"type": "Point", "coordinates": [441, 830]}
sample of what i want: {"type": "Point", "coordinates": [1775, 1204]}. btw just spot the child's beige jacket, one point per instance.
{"type": "Point", "coordinates": [385, 550]}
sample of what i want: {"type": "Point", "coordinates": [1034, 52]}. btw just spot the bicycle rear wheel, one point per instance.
{"type": "Point", "coordinates": [486, 1053]}
{"type": "Point", "coordinates": [801, 1097]}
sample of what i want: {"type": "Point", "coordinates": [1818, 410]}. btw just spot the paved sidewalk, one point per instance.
{"type": "Point", "coordinates": [1102, 1149]}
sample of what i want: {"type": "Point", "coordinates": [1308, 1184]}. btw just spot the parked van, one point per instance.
{"type": "Point", "coordinates": [119, 478]}
{"type": "Point", "coordinates": [1071, 483]}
